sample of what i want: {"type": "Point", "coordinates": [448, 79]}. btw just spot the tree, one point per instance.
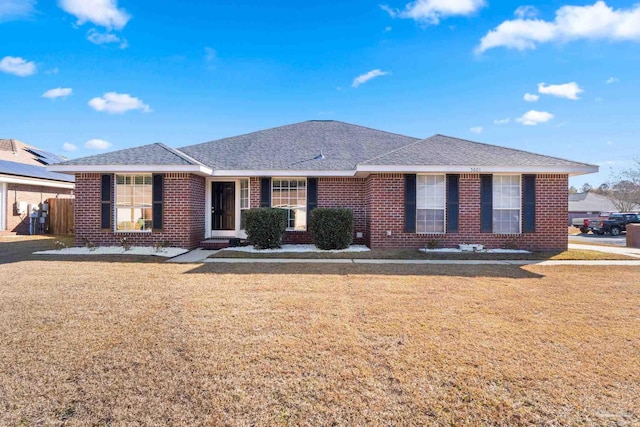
{"type": "Point", "coordinates": [586, 187]}
{"type": "Point", "coordinates": [572, 190]}
{"type": "Point", "coordinates": [624, 189]}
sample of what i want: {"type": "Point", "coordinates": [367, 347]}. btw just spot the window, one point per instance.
{"type": "Point", "coordinates": [430, 203]}
{"type": "Point", "coordinates": [506, 204]}
{"type": "Point", "coordinates": [291, 194]}
{"type": "Point", "coordinates": [244, 200]}
{"type": "Point", "coordinates": [133, 203]}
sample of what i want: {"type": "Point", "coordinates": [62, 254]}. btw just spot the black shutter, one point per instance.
{"type": "Point", "coordinates": [265, 192]}
{"type": "Point", "coordinates": [486, 203]}
{"type": "Point", "coordinates": [410, 203]}
{"type": "Point", "coordinates": [312, 194]}
{"type": "Point", "coordinates": [453, 203]}
{"type": "Point", "coordinates": [529, 204]}
{"type": "Point", "coordinates": [106, 192]}
{"type": "Point", "coordinates": [158, 201]}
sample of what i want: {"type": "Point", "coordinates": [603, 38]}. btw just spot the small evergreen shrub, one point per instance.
{"type": "Point", "coordinates": [265, 227]}
{"type": "Point", "coordinates": [331, 228]}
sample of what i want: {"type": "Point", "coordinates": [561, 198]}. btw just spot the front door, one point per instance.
{"type": "Point", "coordinates": [223, 205]}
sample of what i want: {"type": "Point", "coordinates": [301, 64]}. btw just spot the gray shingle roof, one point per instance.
{"type": "Point", "coordinates": [590, 202]}
{"type": "Point", "coordinates": [440, 150]}
{"type": "Point", "coordinates": [324, 145]}
{"type": "Point", "coordinates": [32, 171]}
{"type": "Point", "coordinates": [152, 154]}
{"type": "Point", "coordinates": [299, 147]}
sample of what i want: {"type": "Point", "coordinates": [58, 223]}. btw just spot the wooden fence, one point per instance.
{"type": "Point", "coordinates": [60, 216]}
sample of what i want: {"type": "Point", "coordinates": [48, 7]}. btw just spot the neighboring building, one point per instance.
{"type": "Point", "coordinates": [589, 205]}
{"type": "Point", "coordinates": [403, 191]}
{"type": "Point", "coordinates": [25, 181]}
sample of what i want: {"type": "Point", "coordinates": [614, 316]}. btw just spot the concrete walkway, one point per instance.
{"type": "Point", "coordinates": [195, 256]}
{"type": "Point", "coordinates": [632, 252]}
{"type": "Point", "coordinates": [414, 261]}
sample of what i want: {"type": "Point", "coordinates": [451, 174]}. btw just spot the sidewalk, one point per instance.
{"type": "Point", "coordinates": [623, 250]}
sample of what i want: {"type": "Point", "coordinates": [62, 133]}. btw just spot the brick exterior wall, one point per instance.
{"type": "Point", "coordinates": [32, 194]}
{"type": "Point", "coordinates": [385, 208]}
{"type": "Point", "coordinates": [184, 213]}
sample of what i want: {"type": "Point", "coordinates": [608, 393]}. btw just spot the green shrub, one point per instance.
{"type": "Point", "coordinates": [331, 228]}
{"type": "Point", "coordinates": [265, 227]}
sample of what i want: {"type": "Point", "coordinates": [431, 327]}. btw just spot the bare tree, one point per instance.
{"type": "Point", "coordinates": [586, 187]}
{"type": "Point", "coordinates": [572, 190]}
{"type": "Point", "coordinates": [624, 189]}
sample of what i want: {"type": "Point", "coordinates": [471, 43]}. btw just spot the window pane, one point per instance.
{"type": "Point", "coordinates": [291, 195]}
{"type": "Point", "coordinates": [133, 202]}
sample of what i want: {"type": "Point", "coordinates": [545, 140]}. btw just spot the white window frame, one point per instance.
{"type": "Point", "coordinates": [240, 198]}
{"type": "Point", "coordinates": [115, 202]}
{"type": "Point", "coordinates": [306, 200]}
{"type": "Point", "coordinates": [493, 207]}
{"type": "Point", "coordinates": [444, 204]}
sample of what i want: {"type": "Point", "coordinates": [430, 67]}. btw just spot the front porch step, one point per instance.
{"type": "Point", "coordinates": [215, 244]}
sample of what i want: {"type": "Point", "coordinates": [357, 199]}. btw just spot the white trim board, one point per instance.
{"type": "Point", "coordinates": [196, 169]}
{"type": "Point", "coordinates": [36, 181]}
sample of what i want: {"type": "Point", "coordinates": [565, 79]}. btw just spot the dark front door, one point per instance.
{"type": "Point", "coordinates": [223, 205]}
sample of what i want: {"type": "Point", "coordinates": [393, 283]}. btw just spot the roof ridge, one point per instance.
{"type": "Point", "coordinates": [180, 154]}
{"type": "Point", "coordinates": [509, 148]}
{"type": "Point", "coordinates": [397, 149]}
{"type": "Point", "coordinates": [298, 123]}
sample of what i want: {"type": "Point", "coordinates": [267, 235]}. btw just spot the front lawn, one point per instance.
{"type": "Point", "coordinates": [135, 343]}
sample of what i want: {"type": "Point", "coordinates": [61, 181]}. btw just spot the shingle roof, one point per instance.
{"type": "Point", "coordinates": [151, 154]}
{"type": "Point", "coordinates": [311, 145]}
{"type": "Point", "coordinates": [32, 171]}
{"type": "Point", "coordinates": [13, 150]}
{"type": "Point", "coordinates": [443, 150]}
{"type": "Point", "coordinates": [325, 145]}
{"type": "Point", "coordinates": [590, 202]}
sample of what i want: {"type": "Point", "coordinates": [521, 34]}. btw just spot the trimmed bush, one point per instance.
{"type": "Point", "coordinates": [265, 227]}
{"type": "Point", "coordinates": [331, 228]}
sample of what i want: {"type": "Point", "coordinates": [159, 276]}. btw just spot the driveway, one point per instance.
{"type": "Point", "coordinates": [590, 239]}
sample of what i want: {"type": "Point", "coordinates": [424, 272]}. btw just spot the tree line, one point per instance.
{"type": "Point", "coordinates": [622, 188]}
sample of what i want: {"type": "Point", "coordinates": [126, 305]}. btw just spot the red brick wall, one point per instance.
{"type": "Point", "coordinates": [32, 194]}
{"type": "Point", "coordinates": [332, 193]}
{"type": "Point", "coordinates": [385, 207]}
{"type": "Point", "coordinates": [184, 213]}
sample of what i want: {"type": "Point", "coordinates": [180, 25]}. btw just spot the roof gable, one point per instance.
{"type": "Point", "coordinates": [151, 154]}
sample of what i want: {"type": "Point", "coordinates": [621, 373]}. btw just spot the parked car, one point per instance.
{"type": "Point", "coordinates": [615, 224]}
{"type": "Point", "coordinates": [585, 224]}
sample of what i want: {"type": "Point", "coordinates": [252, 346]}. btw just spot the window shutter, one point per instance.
{"type": "Point", "coordinates": [158, 201]}
{"type": "Point", "coordinates": [529, 204]}
{"type": "Point", "coordinates": [312, 194]}
{"type": "Point", "coordinates": [410, 203]}
{"type": "Point", "coordinates": [486, 203]}
{"type": "Point", "coordinates": [106, 201]}
{"type": "Point", "coordinates": [265, 192]}
{"type": "Point", "coordinates": [453, 202]}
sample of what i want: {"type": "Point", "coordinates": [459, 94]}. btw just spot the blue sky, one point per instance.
{"type": "Point", "coordinates": [99, 75]}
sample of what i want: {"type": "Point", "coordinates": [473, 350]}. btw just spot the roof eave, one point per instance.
{"type": "Point", "coordinates": [28, 180]}
{"type": "Point", "coordinates": [194, 169]}
{"type": "Point", "coordinates": [573, 170]}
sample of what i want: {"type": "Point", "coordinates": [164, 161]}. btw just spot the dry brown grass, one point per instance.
{"type": "Point", "coordinates": [571, 254]}
{"type": "Point", "coordinates": [119, 343]}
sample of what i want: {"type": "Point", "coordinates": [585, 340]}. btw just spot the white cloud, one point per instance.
{"type": "Point", "coordinates": [363, 78]}
{"type": "Point", "coordinates": [594, 22]}
{"type": "Point", "coordinates": [97, 144]}
{"type": "Point", "coordinates": [59, 92]}
{"type": "Point", "coordinates": [210, 54]}
{"type": "Point", "coordinates": [67, 146]}
{"type": "Point", "coordinates": [533, 117]}
{"type": "Point", "coordinates": [118, 103]}
{"type": "Point", "coordinates": [15, 9]}
{"type": "Point", "coordinates": [97, 37]}
{"type": "Point", "coordinates": [612, 80]}
{"type": "Point", "coordinates": [17, 66]}
{"type": "Point", "coordinates": [527, 11]}
{"type": "Point", "coordinates": [501, 121]}
{"type": "Point", "coordinates": [431, 11]}
{"type": "Point", "coordinates": [476, 129]}
{"type": "Point", "coordinates": [54, 70]}
{"type": "Point", "coordinates": [567, 90]}
{"type": "Point", "coordinates": [530, 97]}
{"type": "Point", "coordinates": [104, 13]}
